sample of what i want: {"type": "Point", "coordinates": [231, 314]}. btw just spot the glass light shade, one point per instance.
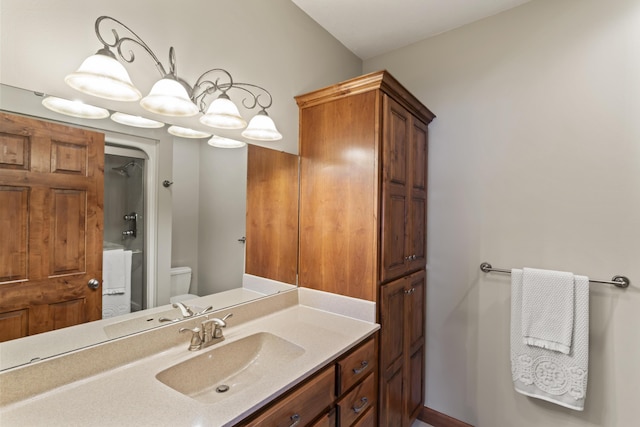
{"type": "Point", "coordinates": [74, 108]}
{"type": "Point", "coordinates": [136, 121]}
{"type": "Point", "coordinates": [169, 98]}
{"type": "Point", "coordinates": [223, 114]}
{"type": "Point", "coordinates": [221, 142]}
{"type": "Point", "coordinates": [187, 133]}
{"type": "Point", "coordinates": [103, 76]}
{"type": "Point", "coordinates": [262, 128]}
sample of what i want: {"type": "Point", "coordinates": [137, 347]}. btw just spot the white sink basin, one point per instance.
{"type": "Point", "coordinates": [226, 369]}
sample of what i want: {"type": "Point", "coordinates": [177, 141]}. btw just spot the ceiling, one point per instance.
{"type": "Point", "coordinates": [372, 27]}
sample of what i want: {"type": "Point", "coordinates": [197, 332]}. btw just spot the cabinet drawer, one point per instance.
{"type": "Point", "coordinates": [327, 420]}
{"type": "Point", "coordinates": [367, 420]}
{"type": "Point", "coordinates": [357, 401]}
{"type": "Point", "coordinates": [357, 365]}
{"type": "Point", "coordinates": [303, 405]}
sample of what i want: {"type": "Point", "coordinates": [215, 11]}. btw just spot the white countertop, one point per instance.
{"type": "Point", "coordinates": [131, 394]}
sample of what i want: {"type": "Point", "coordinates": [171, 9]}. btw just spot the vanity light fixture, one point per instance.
{"type": "Point", "coordinates": [104, 76]}
{"type": "Point", "coordinates": [222, 142]}
{"type": "Point", "coordinates": [74, 108]}
{"type": "Point", "coordinates": [136, 121]}
{"type": "Point", "coordinates": [187, 133]}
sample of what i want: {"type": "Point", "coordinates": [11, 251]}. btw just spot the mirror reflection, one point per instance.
{"type": "Point", "coordinates": [207, 197]}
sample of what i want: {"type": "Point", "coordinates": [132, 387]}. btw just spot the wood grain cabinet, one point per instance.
{"type": "Point", "coordinates": [403, 340]}
{"type": "Point", "coordinates": [363, 208]}
{"type": "Point", "coordinates": [343, 394]}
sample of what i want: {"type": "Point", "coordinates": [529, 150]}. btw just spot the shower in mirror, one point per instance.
{"type": "Point", "coordinates": [124, 267]}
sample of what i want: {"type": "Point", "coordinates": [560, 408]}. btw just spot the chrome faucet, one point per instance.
{"type": "Point", "coordinates": [184, 309]}
{"type": "Point", "coordinates": [186, 312]}
{"type": "Point", "coordinates": [209, 333]}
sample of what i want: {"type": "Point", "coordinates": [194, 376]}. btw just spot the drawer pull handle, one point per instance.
{"type": "Point", "coordinates": [363, 366]}
{"type": "Point", "coordinates": [296, 419]}
{"type": "Point", "coordinates": [358, 409]}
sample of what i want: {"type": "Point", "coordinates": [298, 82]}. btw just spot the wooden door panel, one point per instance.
{"type": "Point", "coordinates": [51, 206]}
{"type": "Point", "coordinates": [415, 385]}
{"type": "Point", "coordinates": [68, 158]}
{"type": "Point", "coordinates": [397, 128]}
{"type": "Point", "coordinates": [416, 312]}
{"type": "Point", "coordinates": [14, 324]}
{"type": "Point", "coordinates": [419, 155]}
{"type": "Point", "coordinates": [392, 319]}
{"type": "Point", "coordinates": [67, 243]}
{"type": "Point", "coordinates": [417, 236]}
{"type": "Point", "coordinates": [393, 262]}
{"type": "Point", "coordinates": [13, 229]}
{"type": "Point", "coordinates": [391, 397]}
{"type": "Point", "coordinates": [14, 151]}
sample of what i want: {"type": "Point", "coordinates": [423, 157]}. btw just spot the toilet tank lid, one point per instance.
{"type": "Point", "coordinates": [180, 270]}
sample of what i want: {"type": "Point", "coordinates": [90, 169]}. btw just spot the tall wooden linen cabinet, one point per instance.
{"type": "Point", "coordinates": [363, 206]}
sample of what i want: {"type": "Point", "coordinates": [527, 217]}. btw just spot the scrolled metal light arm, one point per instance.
{"type": "Point", "coordinates": [204, 86]}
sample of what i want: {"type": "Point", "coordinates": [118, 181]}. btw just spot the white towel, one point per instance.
{"type": "Point", "coordinates": [547, 309]}
{"type": "Point", "coordinates": [113, 272]}
{"type": "Point", "coordinates": [116, 274]}
{"type": "Point", "coordinates": [547, 374]}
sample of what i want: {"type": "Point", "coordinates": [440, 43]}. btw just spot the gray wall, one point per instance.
{"type": "Point", "coordinates": [534, 161]}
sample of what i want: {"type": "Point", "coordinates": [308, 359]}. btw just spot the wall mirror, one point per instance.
{"type": "Point", "coordinates": [195, 220]}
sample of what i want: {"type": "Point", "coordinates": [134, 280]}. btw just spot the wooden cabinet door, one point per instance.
{"type": "Point", "coordinates": [417, 195]}
{"type": "Point", "coordinates": [51, 223]}
{"type": "Point", "coordinates": [415, 345]}
{"type": "Point", "coordinates": [395, 182]}
{"type": "Point", "coordinates": [402, 319]}
{"type": "Point", "coordinates": [404, 192]}
{"type": "Point", "coordinates": [392, 345]}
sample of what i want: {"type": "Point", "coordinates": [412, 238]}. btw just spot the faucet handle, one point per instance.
{"type": "Point", "coordinates": [196, 339]}
{"type": "Point", "coordinates": [219, 324]}
{"type": "Point", "coordinates": [184, 309]}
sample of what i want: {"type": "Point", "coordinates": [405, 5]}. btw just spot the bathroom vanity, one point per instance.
{"type": "Point", "coordinates": [284, 357]}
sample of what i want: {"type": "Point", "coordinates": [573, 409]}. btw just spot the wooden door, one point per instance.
{"type": "Point", "coordinates": [51, 225]}
{"type": "Point", "coordinates": [272, 215]}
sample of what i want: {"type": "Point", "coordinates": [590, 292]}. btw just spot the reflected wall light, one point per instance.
{"type": "Point", "coordinates": [74, 108]}
{"type": "Point", "coordinates": [222, 142]}
{"type": "Point", "coordinates": [136, 121]}
{"type": "Point", "coordinates": [187, 132]}
{"type": "Point", "coordinates": [104, 76]}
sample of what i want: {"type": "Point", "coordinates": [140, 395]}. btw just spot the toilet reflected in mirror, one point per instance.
{"type": "Point", "coordinates": [180, 284]}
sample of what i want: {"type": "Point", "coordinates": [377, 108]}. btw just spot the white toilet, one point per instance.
{"type": "Point", "coordinates": [180, 282]}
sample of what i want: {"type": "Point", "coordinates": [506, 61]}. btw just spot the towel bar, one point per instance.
{"type": "Point", "coordinates": [618, 281]}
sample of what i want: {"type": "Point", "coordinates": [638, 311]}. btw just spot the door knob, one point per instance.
{"type": "Point", "coordinates": [93, 283]}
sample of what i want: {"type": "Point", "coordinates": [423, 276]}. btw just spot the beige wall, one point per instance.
{"type": "Point", "coordinates": [270, 43]}
{"type": "Point", "coordinates": [534, 161]}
